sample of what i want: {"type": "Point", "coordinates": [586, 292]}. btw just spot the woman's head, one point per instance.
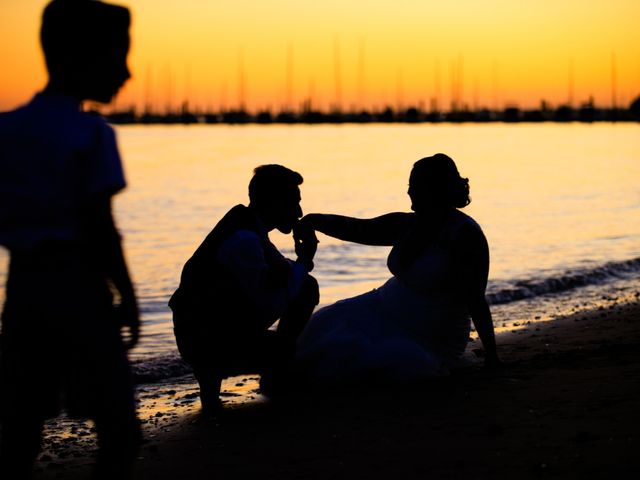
{"type": "Point", "coordinates": [435, 183]}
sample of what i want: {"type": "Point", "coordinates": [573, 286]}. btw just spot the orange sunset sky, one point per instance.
{"type": "Point", "coordinates": [356, 53]}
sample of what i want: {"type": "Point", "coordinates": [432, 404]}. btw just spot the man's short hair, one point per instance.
{"type": "Point", "coordinates": [75, 32]}
{"type": "Point", "coordinates": [271, 182]}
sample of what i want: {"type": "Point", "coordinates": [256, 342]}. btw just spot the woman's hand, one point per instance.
{"type": "Point", "coordinates": [492, 361]}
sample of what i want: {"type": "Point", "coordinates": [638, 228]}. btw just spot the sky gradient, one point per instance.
{"type": "Point", "coordinates": [363, 53]}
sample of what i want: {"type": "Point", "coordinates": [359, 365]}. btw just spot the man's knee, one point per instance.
{"type": "Point", "coordinates": [310, 292]}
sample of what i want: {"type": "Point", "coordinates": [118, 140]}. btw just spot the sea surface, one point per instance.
{"type": "Point", "coordinates": [559, 204]}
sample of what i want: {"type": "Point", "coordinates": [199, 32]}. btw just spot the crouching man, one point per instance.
{"type": "Point", "coordinates": [237, 285]}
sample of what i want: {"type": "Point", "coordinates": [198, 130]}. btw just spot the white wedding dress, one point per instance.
{"type": "Point", "coordinates": [414, 326]}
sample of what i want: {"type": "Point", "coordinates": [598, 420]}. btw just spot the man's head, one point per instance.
{"type": "Point", "coordinates": [85, 44]}
{"type": "Point", "coordinates": [274, 192]}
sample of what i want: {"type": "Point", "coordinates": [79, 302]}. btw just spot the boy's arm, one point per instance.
{"type": "Point", "coordinates": [105, 241]}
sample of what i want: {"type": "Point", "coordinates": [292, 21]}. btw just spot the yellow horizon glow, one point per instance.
{"type": "Point", "coordinates": [355, 54]}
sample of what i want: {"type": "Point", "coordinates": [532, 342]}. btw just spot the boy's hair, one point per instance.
{"type": "Point", "coordinates": [271, 182]}
{"type": "Point", "coordinates": [75, 32]}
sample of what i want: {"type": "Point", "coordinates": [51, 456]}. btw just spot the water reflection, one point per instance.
{"type": "Point", "coordinates": [550, 197]}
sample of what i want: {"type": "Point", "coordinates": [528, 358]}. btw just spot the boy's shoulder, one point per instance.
{"type": "Point", "coordinates": [53, 106]}
{"type": "Point", "coordinates": [52, 116]}
{"type": "Point", "coordinates": [9, 117]}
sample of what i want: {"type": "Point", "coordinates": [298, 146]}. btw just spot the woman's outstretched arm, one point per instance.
{"type": "Point", "coordinates": [382, 230]}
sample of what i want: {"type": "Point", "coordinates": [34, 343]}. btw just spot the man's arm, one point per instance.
{"type": "Point", "coordinates": [306, 244]}
{"type": "Point", "coordinates": [267, 278]}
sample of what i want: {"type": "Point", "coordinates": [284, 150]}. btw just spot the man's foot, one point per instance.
{"type": "Point", "coordinates": [209, 392]}
{"type": "Point", "coordinates": [274, 384]}
{"type": "Point", "coordinates": [208, 417]}
{"type": "Point", "coordinates": [210, 406]}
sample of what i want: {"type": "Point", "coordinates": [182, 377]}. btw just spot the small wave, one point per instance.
{"type": "Point", "coordinates": [170, 365]}
{"type": "Point", "coordinates": [522, 289]}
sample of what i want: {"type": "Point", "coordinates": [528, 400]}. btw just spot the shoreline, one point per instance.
{"type": "Point", "coordinates": [564, 406]}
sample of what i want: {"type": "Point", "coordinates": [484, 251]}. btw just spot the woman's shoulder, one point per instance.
{"type": "Point", "coordinates": [463, 225]}
{"type": "Point", "coordinates": [461, 219]}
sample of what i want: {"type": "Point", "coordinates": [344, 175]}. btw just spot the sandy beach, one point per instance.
{"type": "Point", "coordinates": [565, 405]}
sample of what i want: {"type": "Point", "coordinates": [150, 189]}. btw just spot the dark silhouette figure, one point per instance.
{"type": "Point", "coordinates": [634, 109]}
{"type": "Point", "coordinates": [237, 284]}
{"type": "Point", "coordinates": [417, 324]}
{"type": "Point", "coordinates": [61, 341]}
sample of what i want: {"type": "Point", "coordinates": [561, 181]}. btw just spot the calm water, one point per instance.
{"type": "Point", "coordinates": [555, 201]}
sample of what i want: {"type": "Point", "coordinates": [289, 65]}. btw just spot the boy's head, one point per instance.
{"type": "Point", "coordinates": [85, 44]}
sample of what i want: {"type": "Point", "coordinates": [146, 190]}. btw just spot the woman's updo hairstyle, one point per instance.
{"type": "Point", "coordinates": [435, 182]}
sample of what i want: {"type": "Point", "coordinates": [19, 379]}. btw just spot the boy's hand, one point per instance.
{"type": "Point", "coordinates": [129, 317]}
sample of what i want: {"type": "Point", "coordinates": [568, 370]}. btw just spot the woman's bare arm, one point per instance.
{"type": "Point", "coordinates": [382, 230]}
{"type": "Point", "coordinates": [474, 254]}
{"type": "Point", "coordinates": [481, 316]}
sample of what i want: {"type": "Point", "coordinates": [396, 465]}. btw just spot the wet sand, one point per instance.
{"type": "Point", "coordinates": [565, 405]}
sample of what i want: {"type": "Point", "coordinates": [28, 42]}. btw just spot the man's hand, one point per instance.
{"type": "Point", "coordinates": [306, 243]}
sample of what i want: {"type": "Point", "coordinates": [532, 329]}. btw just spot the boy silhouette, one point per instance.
{"type": "Point", "coordinates": [61, 342]}
{"type": "Point", "coordinates": [237, 284]}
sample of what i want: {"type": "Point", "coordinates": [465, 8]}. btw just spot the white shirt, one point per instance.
{"type": "Point", "coordinates": [249, 256]}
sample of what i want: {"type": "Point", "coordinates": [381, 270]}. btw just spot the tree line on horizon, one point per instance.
{"type": "Point", "coordinates": [587, 112]}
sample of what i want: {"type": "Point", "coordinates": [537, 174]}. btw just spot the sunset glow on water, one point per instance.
{"type": "Point", "coordinates": [552, 199]}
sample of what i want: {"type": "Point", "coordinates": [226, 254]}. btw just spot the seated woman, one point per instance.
{"type": "Point", "coordinates": [417, 324]}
